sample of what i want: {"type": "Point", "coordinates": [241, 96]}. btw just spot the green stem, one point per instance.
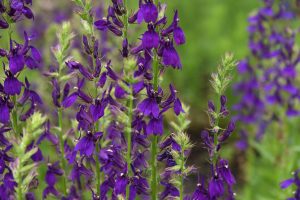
{"type": "Point", "coordinates": [181, 176]}
{"type": "Point", "coordinates": [155, 137]}
{"type": "Point", "coordinates": [125, 20]}
{"type": "Point", "coordinates": [216, 153]}
{"type": "Point", "coordinates": [154, 167]}
{"type": "Point", "coordinates": [98, 172]}
{"type": "Point", "coordinates": [98, 164]}
{"type": "Point", "coordinates": [128, 136]}
{"type": "Point", "coordinates": [130, 108]}
{"type": "Point", "coordinates": [62, 150]}
{"type": "Point", "coordinates": [19, 184]}
{"type": "Point", "coordinates": [15, 123]}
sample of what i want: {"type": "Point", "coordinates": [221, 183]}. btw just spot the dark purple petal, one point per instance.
{"type": "Point", "coordinates": [171, 57]}
{"type": "Point", "coordinates": [102, 80]}
{"type": "Point", "coordinates": [31, 63]}
{"type": "Point", "coordinates": [16, 63]}
{"type": "Point", "coordinates": [27, 12]}
{"type": "Point", "coordinates": [3, 24]}
{"type": "Point", "coordinates": [149, 12]}
{"type": "Point", "coordinates": [178, 107]}
{"type": "Point", "coordinates": [155, 126]}
{"type": "Point", "coordinates": [70, 100]}
{"type": "Point", "coordinates": [150, 39]}
{"type": "Point", "coordinates": [286, 183]}
{"type": "Point", "coordinates": [179, 36]}
{"type": "Point", "coordinates": [4, 113]}
{"type": "Point", "coordinates": [101, 24]}
{"type": "Point", "coordinates": [36, 54]}
{"type": "Point", "coordinates": [12, 86]}
{"type": "Point", "coordinates": [216, 188]}
{"type": "Point", "coordinates": [119, 92]}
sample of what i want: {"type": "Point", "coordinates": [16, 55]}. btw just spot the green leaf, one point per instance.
{"type": "Point", "coordinates": [28, 167]}
{"type": "Point", "coordinates": [28, 154]}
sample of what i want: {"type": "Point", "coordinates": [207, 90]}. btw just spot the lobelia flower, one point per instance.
{"type": "Point", "coordinates": [86, 145]}
{"type": "Point", "coordinates": [147, 12]}
{"type": "Point", "coordinates": [52, 172]}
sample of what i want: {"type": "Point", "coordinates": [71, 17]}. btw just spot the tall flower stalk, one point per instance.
{"type": "Point", "coordinates": [142, 66]}
{"type": "Point", "coordinates": [215, 136]}
{"type": "Point", "coordinates": [60, 52]}
{"type": "Point", "coordinates": [20, 124]}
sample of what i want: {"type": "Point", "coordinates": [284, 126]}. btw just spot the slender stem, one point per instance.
{"type": "Point", "coordinates": [130, 105]}
{"type": "Point", "coordinates": [19, 183]}
{"type": "Point", "coordinates": [128, 136]}
{"type": "Point", "coordinates": [154, 167]}
{"type": "Point", "coordinates": [125, 20]}
{"type": "Point", "coordinates": [216, 154]}
{"type": "Point", "coordinates": [62, 150]}
{"type": "Point", "coordinates": [181, 176]}
{"type": "Point", "coordinates": [98, 164]}
{"type": "Point", "coordinates": [154, 141]}
{"type": "Point", "coordinates": [98, 172]}
{"type": "Point", "coordinates": [15, 123]}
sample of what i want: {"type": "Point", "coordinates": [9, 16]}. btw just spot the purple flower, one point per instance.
{"type": "Point", "coordinates": [200, 193]}
{"type": "Point", "coordinates": [170, 191]}
{"type": "Point", "coordinates": [120, 185]}
{"type": "Point", "coordinates": [150, 38]}
{"type": "Point", "coordinates": [78, 170]}
{"type": "Point", "coordinates": [50, 178]}
{"type": "Point", "coordinates": [155, 126]}
{"type": "Point", "coordinates": [216, 187]}
{"type": "Point", "coordinates": [179, 36]}
{"type": "Point", "coordinates": [4, 112]}
{"type": "Point", "coordinates": [86, 145]}
{"type": "Point", "coordinates": [170, 56]}
{"type": "Point", "coordinates": [225, 173]}
{"type": "Point", "coordinates": [149, 106]}
{"type": "Point", "coordinates": [147, 12]}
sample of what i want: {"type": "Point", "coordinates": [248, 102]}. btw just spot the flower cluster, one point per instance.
{"type": "Point", "coordinates": [269, 73]}
{"type": "Point", "coordinates": [14, 11]}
